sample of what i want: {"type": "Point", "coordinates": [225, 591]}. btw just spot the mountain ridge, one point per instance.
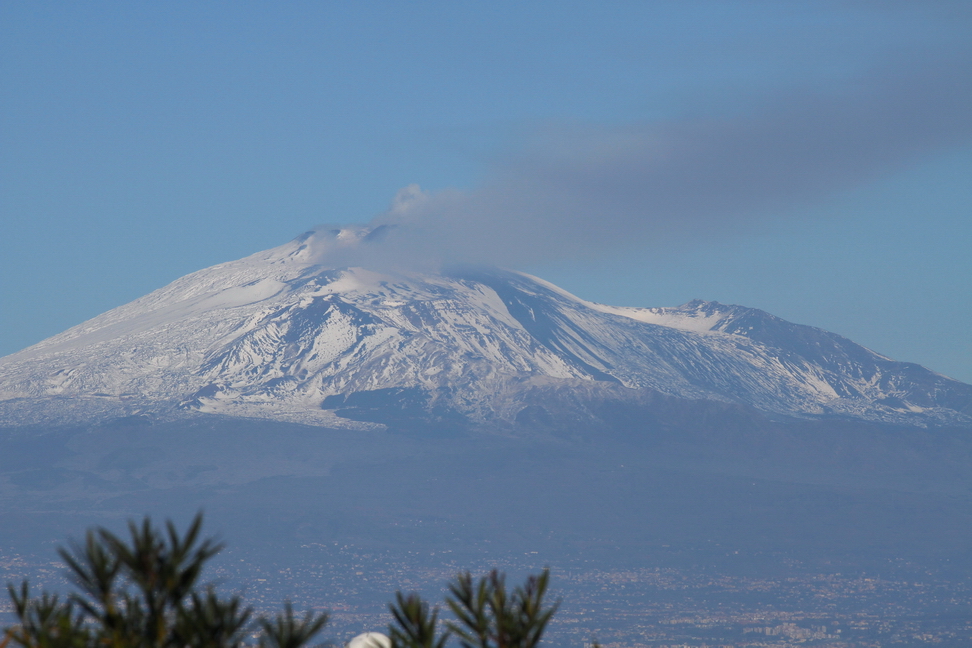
{"type": "Point", "coordinates": [291, 334]}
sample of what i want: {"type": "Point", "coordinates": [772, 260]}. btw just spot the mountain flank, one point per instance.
{"type": "Point", "coordinates": [288, 335]}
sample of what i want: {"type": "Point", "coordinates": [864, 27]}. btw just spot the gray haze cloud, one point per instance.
{"type": "Point", "coordinates": [577, 192]}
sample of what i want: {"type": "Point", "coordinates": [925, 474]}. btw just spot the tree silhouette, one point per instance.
{"type": "Point", "coordinates": [487, 615]}
{"type": "Point", "coordinates": [145, 593]}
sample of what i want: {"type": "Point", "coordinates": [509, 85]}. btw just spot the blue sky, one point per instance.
{"type": "Point", "coordinates": [813, 159]}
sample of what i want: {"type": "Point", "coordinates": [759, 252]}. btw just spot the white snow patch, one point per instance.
{"type": "Point", "coordinates": [670, 317]}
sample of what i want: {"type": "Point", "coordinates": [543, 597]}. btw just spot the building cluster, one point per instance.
{"type": "Point", "coordinates": [631, 608]}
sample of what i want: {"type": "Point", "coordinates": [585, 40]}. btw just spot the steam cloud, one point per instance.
{"type": "Point", "coordinates": [582, 192]}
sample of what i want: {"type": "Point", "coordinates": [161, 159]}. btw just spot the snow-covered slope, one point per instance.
{"type": "Point", "coordinates": [286, 334]}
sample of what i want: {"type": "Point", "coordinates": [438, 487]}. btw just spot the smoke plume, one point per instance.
{"type": "Point", "coordinates": [584, 191]}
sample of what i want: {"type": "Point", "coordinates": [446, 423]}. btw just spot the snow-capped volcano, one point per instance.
{"type": "Point", "coordinates": [296, 333]}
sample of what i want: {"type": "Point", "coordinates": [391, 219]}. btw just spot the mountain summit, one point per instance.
{"type": "Point", "coordinates": [302, 333]}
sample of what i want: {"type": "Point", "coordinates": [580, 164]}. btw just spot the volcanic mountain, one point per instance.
{"type": "Point", "coordinates": [294, 334]}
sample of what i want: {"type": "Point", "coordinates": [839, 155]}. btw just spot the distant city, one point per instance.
{"type": "Point", "coordinates": [656, 607]}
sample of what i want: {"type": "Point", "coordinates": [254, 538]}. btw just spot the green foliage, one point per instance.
{"type": "Point", "coordinates": [415, 626]}
{"type": "Point", "coordinates": [45, 622]}
{"type": "Point", "coordinates": [287, 632]}
{"type": "Point", "coordinates": [487, 615]}
{"type": "Point", "coordinates": [211, 622]}
{"type": "Point", "coordinates": [145, 593]}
